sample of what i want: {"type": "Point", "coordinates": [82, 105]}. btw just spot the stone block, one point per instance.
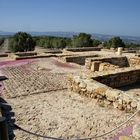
{"type": "Point", "coordinates": [101, 91]}
{"type": "Point", "coordinates": [82, 84]}
{"type": "Point", "coordinates": [111, 94]}
{"type": "Point", "coordinates": [133, 104]}
{"type": "Point", "coordinates": [77, 79]}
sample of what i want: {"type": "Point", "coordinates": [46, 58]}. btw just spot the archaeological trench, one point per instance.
{"type": "Point", "coordinates": [103, 78]}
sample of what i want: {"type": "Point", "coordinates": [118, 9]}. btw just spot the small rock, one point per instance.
{"type": "Point", "coordinates": [115, 104]}
{"type": "Point", "coordinates": [112, 94]}
{"type": "Point", "coordinates": [134, 104]}
{"type": "Point", "coordinates": [82, 85]}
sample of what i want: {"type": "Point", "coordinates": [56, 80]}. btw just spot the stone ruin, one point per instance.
{"type": "Point", "coordinates": [104, 76]}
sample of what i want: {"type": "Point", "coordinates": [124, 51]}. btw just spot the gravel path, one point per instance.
{"type": "Point", "coordinates": [63, 114]}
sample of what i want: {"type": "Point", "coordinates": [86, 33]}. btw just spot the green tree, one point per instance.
{"type": "Point", "coordinates": [114, 42]}
{"type": "Point", "coordinates": [95, 42]}
{"type": "Point", "coordinates": [21, 42]}
{"type": "Point", "coordinates": [82, 40]}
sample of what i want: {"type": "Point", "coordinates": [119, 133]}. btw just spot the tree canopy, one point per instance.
{"type": "Point", "coordinates": [82, 40]}
{"type": "Point", "coordinates": [21, 42]}
{"type": "Point", "coordinates": [51, 42]}
{"type": "Point", "coordinates": [114, 42]}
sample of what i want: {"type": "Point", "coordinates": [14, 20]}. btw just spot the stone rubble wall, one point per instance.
{"type": "Point", "coordinates": [134, 61]}
{"type": "Point", "coordinates": [109, 62]}
{"type": "Point", "coordinates": [107, 66]}
{"type": "Point", "coordinates": [99, 66]}
{"type": "Point", "coordinates": [118, 78]}
{"type": "Point", "coordinates": [79, 59]}
{"type": "Point", "coordinates": [105, 95]}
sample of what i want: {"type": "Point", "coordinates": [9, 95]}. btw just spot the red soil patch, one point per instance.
{"type": "Point", "coordinates": [127, 131]}
{"type": "Point", "coordinates": [5, 64]}
{"type": "Point", "coordinates": [63, 65]}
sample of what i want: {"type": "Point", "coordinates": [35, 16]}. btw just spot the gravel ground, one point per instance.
{"type": "Point", "coordinates": [63, 114]}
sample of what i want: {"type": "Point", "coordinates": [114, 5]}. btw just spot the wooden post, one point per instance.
{"type": "Point", "coordinates": [3, 129]}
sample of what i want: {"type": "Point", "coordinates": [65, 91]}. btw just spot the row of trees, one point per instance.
{"type": "Point", "coordinates": [22, 42]}
{"type": "Point", "coordinates": [116, 42]}
{"type": "Point", "coordinates": [51, 42]}
{"type": "Point", "coordinates": [81, 40]}
{"type": "Point", "coordinates": [1, 41]}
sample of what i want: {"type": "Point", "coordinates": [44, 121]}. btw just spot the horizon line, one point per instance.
{"type": "Point", "coordinates": [69, 32]}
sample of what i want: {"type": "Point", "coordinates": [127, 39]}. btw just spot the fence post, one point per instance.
{"type": "Point", "coordinates": [3, 129]}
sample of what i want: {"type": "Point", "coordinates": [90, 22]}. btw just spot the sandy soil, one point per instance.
{"type": "Point", "coordinates": [63, 114]}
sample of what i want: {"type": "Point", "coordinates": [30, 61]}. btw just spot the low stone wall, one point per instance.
{"type": "Point", "coordinates": [134, 61]}
{"type": "Point", "coordinates": [118, 78]}
{"type": "Point", "coordinates": [109, 50]}
{"type": "Point", "coordinates": [99, 66]}
{"type": "Point", "coordinates": [25, 54]}
{"type": "Point", "coordinates": [107, 66]}
{"type": "Point", "coordinates": [54, 51]}
{"type": "Point", "coordinates": [116, 61]}
{"type": "Point", "coordinates": [83, 49]}
{"type": "Point", "coordinates": [3, 55]}
{"type": "Point", "coordinates": [79, 59]}
{"type": "Point", "coordinates": [36, 56]}
{"type": "Point", "coordinates": [105, 95]}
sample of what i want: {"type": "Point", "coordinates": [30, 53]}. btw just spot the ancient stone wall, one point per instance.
{"type": "Point", "coordinates": [3, 55]}
{"type": "Point", "coordinates": [79, 59]}
{"type": "Point", "coordinates": [105, 95]}
{"type": "Point", "coordinates": [83, 49]}
{"type": "Point", "coordinates": [134, 61]}
{"type": "Point", "coordinates": [118, 78]}
{"type": "Point", "coordinates": [106, 63]}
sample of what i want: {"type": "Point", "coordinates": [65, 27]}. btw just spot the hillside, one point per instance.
{"type": "Point", "coordinates": [101, 37]}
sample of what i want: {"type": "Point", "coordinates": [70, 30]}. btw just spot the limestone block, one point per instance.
{"type": "Point", "coordinates": [115, 104]}
{"type": "Point", "coordinates": [111, 94]}
{"type": "Point", "coordinates": [126, 99]}
{"type": "Point", "coordinates": [106, 102]}
{"type": "Point", "coordinates": [82, 84]}
{"type": "Point", "coordinates": [88, 63]}
{"type": "Point", "coordinates": [136, 131]}
{"type": "Point", "coordinates": [102, 66]}
{"type": "Point", "coordinates": [77, 79]}
{"type": "Point", "coordinates": [138, 105]}
{"type": "Point", "coordinates": [90, 87]}
{"type": "Point", "coordinates": [101, 91]}
{"type": "Point", "coordinates": [133, 104]}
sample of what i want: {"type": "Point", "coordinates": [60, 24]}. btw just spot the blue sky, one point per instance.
{"type": "Point", "coordinates": [117, 17]}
